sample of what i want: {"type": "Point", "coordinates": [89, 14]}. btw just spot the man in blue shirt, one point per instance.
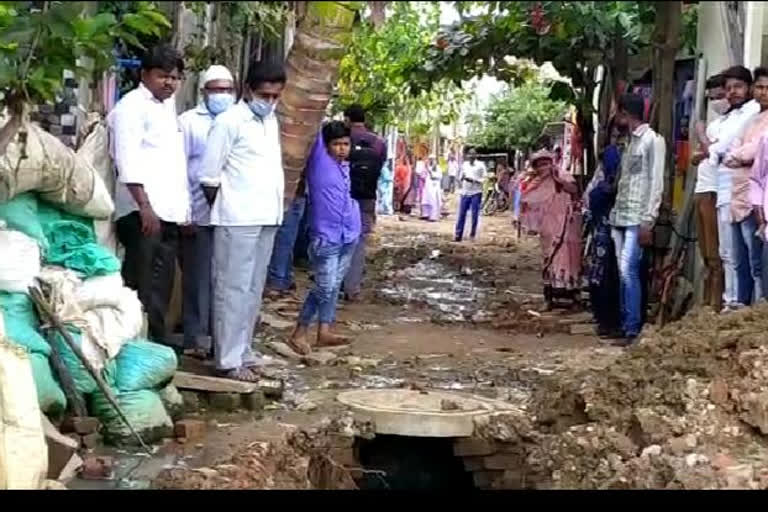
{"type": "Point", "coordinates": [334, 230]}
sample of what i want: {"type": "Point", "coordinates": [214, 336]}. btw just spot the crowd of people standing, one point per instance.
{"type": "Point", "coordinates": [206, 188]}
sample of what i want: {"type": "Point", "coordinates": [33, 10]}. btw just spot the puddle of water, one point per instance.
{"type": "Point", "coordinates": [429, 282]}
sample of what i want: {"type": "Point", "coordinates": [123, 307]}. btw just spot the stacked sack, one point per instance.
{"type": "Point", "coordinates": [49, 198]}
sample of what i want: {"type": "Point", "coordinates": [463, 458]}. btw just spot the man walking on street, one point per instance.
{"type": "Point", "coordinates": [639, 193]}
{"type": "Point", "coordinates": [366, 158]}
{"type": "Point", "coordinates": [472, 180]}
{"type": "Point", "coordinates": [705, 196]}
{"type": "Point", "coordinates": [152, 195]}
{"type": "Point", "coordinates": [738, 82]}
{"type": "Point", "coordinates": [747, 246]}
{"type": "Point", "coordinates": [197, 238]}
{"type": "Point", "coordinates": [242, 176]}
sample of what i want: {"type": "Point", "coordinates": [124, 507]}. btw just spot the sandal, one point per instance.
{"type": "Point", "coordinates": [241, 374]}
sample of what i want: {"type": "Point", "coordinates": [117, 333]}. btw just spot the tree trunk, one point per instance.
{"type": "Point", "coordinates": [312, 69]}
{"type": "Point", "coordinates": [378, 15]}
{"type": "Point", "coordinates": [666, 43]}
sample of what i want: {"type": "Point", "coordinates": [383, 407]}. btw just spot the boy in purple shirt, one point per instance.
{"type": "Point", "coordinates": [334, 230]}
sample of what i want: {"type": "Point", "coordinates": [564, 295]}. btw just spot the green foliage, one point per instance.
{"type": "Point", "coordinates": [37, 45]}
{"type": "Point", "coordinates": [375, 70]}
{"type": "Point", "coordinates": [689, 28]}
{"type": "Point", "coordinates": [574, 36]}
{"type": "Point", "coordinates": [515, 118]}
{"type": "Point", "coordinates": [264, 18]}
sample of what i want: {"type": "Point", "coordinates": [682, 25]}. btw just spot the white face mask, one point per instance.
{"type": "Point", "coordinates": [720, 106]}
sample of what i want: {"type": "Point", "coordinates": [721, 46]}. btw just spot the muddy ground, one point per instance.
{"type": "Point", "coordinates": [687, 408]}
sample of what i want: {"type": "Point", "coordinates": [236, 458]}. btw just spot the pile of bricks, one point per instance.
{"type": "Point", "coordinates": [85, 431]}
{"type": "Point", "coordinates": [494, 465]}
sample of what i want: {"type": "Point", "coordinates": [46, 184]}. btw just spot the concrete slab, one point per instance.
{"type": "Point", "coordinates": [420, 413]}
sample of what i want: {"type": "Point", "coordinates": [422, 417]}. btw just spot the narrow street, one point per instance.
{"type": "Point", "coordinates": [434, 315]}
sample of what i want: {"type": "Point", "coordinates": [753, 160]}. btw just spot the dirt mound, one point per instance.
{"type": "Point", "coordinates": [687, 408]}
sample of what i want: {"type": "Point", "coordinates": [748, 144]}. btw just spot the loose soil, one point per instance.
{"type": "Point", "coordinates": [686, 408]}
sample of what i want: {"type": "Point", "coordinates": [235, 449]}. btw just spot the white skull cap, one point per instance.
{"type": "Point", "coordinates": [216, 72]}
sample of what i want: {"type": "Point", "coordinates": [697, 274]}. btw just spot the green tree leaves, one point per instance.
{"type": "Point", "coordinates": [38, 45]}
{"type": "Point", "coordinates": [515, 118]}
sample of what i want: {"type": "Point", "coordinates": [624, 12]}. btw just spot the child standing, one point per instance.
{"type": "Point", "coordinates": [334, 229]}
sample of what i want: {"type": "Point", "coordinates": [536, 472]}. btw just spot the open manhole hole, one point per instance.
{"type": "Point", "coordinates": [415, 434]}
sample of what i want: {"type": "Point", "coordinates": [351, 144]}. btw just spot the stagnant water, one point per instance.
{"type": "Point", "coordinates": [452, 296]}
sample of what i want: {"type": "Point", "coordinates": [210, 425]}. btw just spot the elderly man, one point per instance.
{"type": "Point", "coordinates": [197, 238]}
{"type": "Point", "coordinates": [152, 195]}
{"type": "Point", "coordinates": [242, 177]}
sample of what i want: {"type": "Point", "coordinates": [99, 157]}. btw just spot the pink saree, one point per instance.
{"type": "Point", "coordinates": [548, 208]}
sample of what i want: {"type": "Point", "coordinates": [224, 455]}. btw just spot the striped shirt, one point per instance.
{"type": "Point", "coordinates": [641, 179]}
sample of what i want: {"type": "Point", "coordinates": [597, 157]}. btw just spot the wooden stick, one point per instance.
{"type": "Point", "coordinates": [50, 317]}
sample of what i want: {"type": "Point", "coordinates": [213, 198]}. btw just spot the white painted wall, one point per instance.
{"type": "Point", "coordinates": [753, 34]}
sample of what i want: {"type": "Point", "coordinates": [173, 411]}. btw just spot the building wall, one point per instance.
{"type": "Point", "coordinates": [711, 40]}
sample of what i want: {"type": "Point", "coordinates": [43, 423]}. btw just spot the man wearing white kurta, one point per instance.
{"type": "Point", "coordinates": [242, 177]}
{"type": "Point", "coordinates": [196, 255]}
{"type": "Point", "coordinates": [151, 196]}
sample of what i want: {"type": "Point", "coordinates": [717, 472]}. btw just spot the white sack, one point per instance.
{"type": "Point", "coordinates": [20, 261]}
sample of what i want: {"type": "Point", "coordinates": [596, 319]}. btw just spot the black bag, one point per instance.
{"type": "Point", "coordinates": [364, 169]}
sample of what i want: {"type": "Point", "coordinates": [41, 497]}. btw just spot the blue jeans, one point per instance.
{"type": "Point", "coordinates": [725, 235]}
{"type": "Point", "coordinates": [330, 263]}
{"type": "Point", "coordinates": [280, 276]}
{"type": "Point", "coordinates": [465, 204]}
{"type": "Point", "coordinates": [748, 255]}
{"type": "Point", "coordinates": [629, 255]}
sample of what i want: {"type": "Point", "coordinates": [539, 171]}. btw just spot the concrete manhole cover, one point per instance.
{"type": "Point", "coordinates": [420, 414]}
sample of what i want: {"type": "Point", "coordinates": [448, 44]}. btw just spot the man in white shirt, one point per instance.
{"type": "Point", "coordinates": [242, 177]}
{"type": "Point", "coordinates": [738, 81]}
{"type": "Point", "coordinates": [472, 179]}
{"type": "Point", "coordinates": [705, 195]}
{"type": "Point", "coordinates": [151, 196]}
{"type": "Point", "coordinates": [196, 253]}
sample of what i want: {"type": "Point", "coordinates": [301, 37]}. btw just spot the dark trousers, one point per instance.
{"type": "Point", "coordinates": [196, 259]}
{"type": "Point", "coordinates": [465, 204]}
{"type": "Point", "coordinates": [149, 268]}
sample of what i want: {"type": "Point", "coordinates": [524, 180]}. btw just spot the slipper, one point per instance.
{"type": "Point", "coordinates": [241, 374]}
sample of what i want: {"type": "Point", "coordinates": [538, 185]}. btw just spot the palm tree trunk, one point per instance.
{"type": "Point", "coordinates": [312, 69]}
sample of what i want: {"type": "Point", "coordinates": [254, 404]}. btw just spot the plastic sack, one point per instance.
{"type": "Point", "coordinates": [20, 261]}
{"type": "Point", "coordinates": [142, 364]}
{"type": "Point", "coordinates": [95, 149]}
{"type": "Point", "coordinates": [21, 321]}
{"type": "Point", "coordinates": [115, 324]}
{"type": "Point", "coordinates": [73, 245]}
{"type": "Point", "coordinates": [21, 214]}
{"type": "Point", "coordinates": [99, 292]}
{"type": "Point", "coordinates": [50, 396]}
{"type": "Point", "coordinates": [144, 410]}
{"type": "Point", "coordinates": [23, 450]}
{"type": "Point", "coordinates": [172, 401]}
{"type": "Point", "coordinates": [55, 172]}
{"type": "Point", "coordinates": [84, 382]}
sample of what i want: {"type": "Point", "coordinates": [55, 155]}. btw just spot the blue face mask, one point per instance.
{"type": "Point", "coordinates": [219, 102]}
{"type": "Point", "coordinates": [261, 108]}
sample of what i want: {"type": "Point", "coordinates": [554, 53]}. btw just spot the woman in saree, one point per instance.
{"type": "Point", "coordinates": [550, 210]}
{"type": "Point", "coordinates": [384, 200]}
{"type": "Point", "coordinates": [402, 184]}
{"type": "Point", "coordinates": [602, 271]}
{"type": "Point", "coordinates": [431, 197]}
